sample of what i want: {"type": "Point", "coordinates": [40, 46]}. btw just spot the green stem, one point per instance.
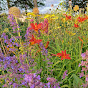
{"type": "Point", "coordinates": [18, 29]}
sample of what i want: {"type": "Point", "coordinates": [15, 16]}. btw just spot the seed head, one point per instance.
{"type": "Point", "coordinates": [15, 11]}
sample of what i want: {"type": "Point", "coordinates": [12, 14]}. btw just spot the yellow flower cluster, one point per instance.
{"type": "Point", "coordinates": [53, 16]}
{"type": "Point", "coordinates": [76, 8]}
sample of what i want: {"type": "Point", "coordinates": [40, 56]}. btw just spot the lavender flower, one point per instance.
{"type": "Point", "coordinates": [65, 74]}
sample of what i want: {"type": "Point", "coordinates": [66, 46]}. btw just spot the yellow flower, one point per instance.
{"type": "Point", "coordinates": [31, 13]}
{"type": "Point", "coordinates": [46, 16]}
{"type": "Point", "coordinates": [28, 18]}
{"type": "Point", "coordinates": [70, 33]}
{"type": "Point", "coordinates": [5, 30]}
{"type": "Point", "coordinates": [73, 34]}
{"type": "Point", "coordinates": [1, 81]}
{"type": "Point", "coordinates": [60, 3]}
{"type": "Point", "coordinates": [64, 20]}
{"type": "Point", "coordinates": [76, 8]}
{"type": "Point", "coordinates": [59, 27]}
{"type": "Point", "coordinates": [55, 17]}
{"type": "Point", "coordinates": [62, 41]}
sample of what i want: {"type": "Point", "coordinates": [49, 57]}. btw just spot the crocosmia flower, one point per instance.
{"type": "Point", "coordinates": [63, 55]}
{"type": "Point", "coordinates": [47, 44]}
{"type": "Point", "coordinates": [76, 25]}
{"type": "Point", "coordinates": [80, 19]}
{"type": "Point", "coordinates": [67, 17]}
{"type": "Point", "coordinates": [35, 26]}
{"type": "Point", "coordinates": [34, 41]}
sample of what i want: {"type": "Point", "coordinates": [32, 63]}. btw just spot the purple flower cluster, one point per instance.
{"type": "Point", "coordinates": [15, 70]}
{"type": "Point", "coordinates": [33, 80]}
{"type": "Point", "coordinates": [29, 33]}
{"type": "Point", "coordinates": [13, 23]}
{"type": "Point", "coordinates": [52, 83]}
{"type": "Point", "coordinates": [84, 71]}
{"type": "Point", "coordinates": [10, 42]}
{"type": "Point", "coordinates": [19, 74]}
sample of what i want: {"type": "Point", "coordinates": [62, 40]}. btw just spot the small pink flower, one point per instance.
{"type": "Point", "coordinates": [81, 74]}
{"type": "Point", "coordinates": [86, 52]}
{"type": "Point", "coordinates": [82, 63]}
{"type": "Point", "coordinates": [84, 69]}
{"type": "Point", "coordinates": [83, 54]}
{"type": "Point", "coordinates": [31, 20]}
{"type": "Point", "coordinates": [87, 79]}
{"type": "Point", "coordinates": [5, 85]}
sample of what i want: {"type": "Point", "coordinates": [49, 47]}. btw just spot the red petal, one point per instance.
{"type": "Point", "coordinates": [32, 25]}
{"type": "Point", "coordinates": [39, 26]}
{"type": "Point", "coordinates": [32, 39]}
{"type": "Point", "coordinates": [68, 57]}
{"type": "Point", "coordinates": [61, 58]}
{"type": "Point", "coordinates": [53, 54]}
{"type": "Point", "coordinates": [47, 44]}
{"type": "Point", "coordinates": [38, 41]}
{"type": "Point", "coordinates": [65, 52]}
{"type": "Point", "coordinates": [60, 54]}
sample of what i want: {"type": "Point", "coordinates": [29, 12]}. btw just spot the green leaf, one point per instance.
{"type": "Point", "coordinates": [77, 82]}
{"type": "Point", "coordinates": [64, 86]}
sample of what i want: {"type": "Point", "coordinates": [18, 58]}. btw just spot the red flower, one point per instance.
{"type": "Point", "coordinates": [34, 41]}
{"type": "Point", "coordinates": [76, 25]}
{"type": "Point", "coordinates": [67, 17]}
{"type": "Point", "coordinates": [63, 55]}
{"type": "Point", "coordinates": [35, 26]}
{"type": "Point", "coordinates": [86, 17]}
{"type": "Point", "coordinates": [47, 44]}
{"type": "Point", "coordinates": [81, 41]}
{"type": "Point", "coordinates": [80, 19]}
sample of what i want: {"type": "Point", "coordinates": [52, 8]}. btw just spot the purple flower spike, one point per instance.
{"type": "Point", "coordinates": [65, 74]}
{"type": "Point", "coordinates": [12, 21]}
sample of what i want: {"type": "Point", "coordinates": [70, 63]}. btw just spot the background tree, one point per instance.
{"type": "Point", "coordinates": [3, 5]}
{"type": "Point", "coordinates": [80, 3]}
{"type": "Point", "coordinates": [28, 4]}
{"type": "Point", "coordinates": [8, 3]}
{"type": "Point", "coordinates": [35, 3]}
{"type": "Point", "coordinates": [22, 4]}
